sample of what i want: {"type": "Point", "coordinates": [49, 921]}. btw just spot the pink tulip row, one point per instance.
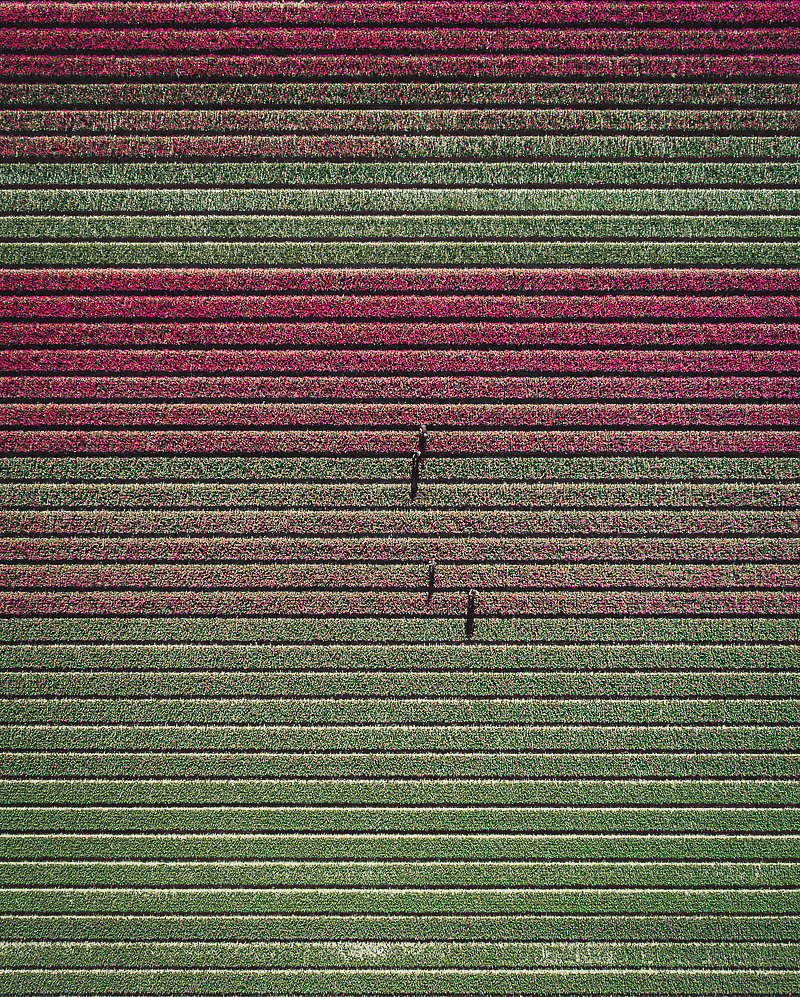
{"type": "Point", "coordinates": [550, 524]}
{"type": "Point", "coordinates": [408, 577]}
{"type": "Point", "coordinates": [406, 281]}
{"type": "Point", "coordinates": [403, 362]}
{"type": "Point", "coordinates": [417, 334]}
{"type": "Point", "coordinates": [383, 148]}
{"type": "Point", "coordinates": [392, 38]}
{"type": "Point", "coordinates": [680, 12]}
{"type": "Point", "coordinates": [361, 415]}
{"type": "Point", "coordinates": [407, 306]}
{"type": "Point", "coordinates": [376, 549]}
{"type": "Point", "coordinates": [358, 441]}
{"type": "Point", "coordinates": [396, 120]}
{"type": "Point", "coordinates": [462, 386]}
{"type": "Point", "coordinates": [742, 66]}
{"type": "Point", "coordinates": [344, 603]}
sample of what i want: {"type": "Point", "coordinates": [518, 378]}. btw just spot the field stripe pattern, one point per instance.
{"type": "Point", "coordinates": [399, 498]}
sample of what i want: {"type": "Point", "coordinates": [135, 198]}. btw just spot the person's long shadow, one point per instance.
{"type": "Point", "coordinates": [469, 625]}
{"type": "Point", "coordinates": [416, 462]}
{"type": "Point", "coordinates": [417, 459]}
{"type": "Point", "coordinates": [431, 579]}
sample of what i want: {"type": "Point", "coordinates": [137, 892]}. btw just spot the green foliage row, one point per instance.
{"type": "Point", "coordinates": [485, 847]}
{"type": "Point", "coordinates": [364, 229]}
{"type": "Point", "coordinates": [501, 469]}
{"type": "Point", "coordinates": [396, 685]}
{"type": "Point", "coordinates": [400, 94]}
{"type": "Point", "coordinates": [615, 809]}
{"type": "Point", "coordinates": [590, 174]}
{"type": "Point", "coordinates": [431, 495]}
{"type": "Point", "coordinates": [683, 253]}
{"type": "Point", "coordinates": [370, 928]}
{"type": "Point", "coordinates": [42, 630]}
{"type": "Point", "coordinates": [179, 201]}
{"type": "Point", "coordinates": [402, 955]}
{"type": "Point", "coordinates": [266, 765]}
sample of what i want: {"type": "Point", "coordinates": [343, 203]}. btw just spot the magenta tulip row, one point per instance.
{"type": "Point", "coordinates": [407, 306]}
{"type": "Point", "coordinates": [376, 549]}
{"type": "Point", "coordinates": [490, 12]}
{"type": "Point", "coordinates": [380, 148]}
{"type": "Point", "coordinates": [742, 66]}
{"type": "Point", "coordinates": [406, 281]}
{"type": "Point", "coordinates": [617, 524]}
{"type": "Point", "coordinates": [358, 441]}
{"type": "Point", "coordinates": [367, 361]}
{"type": "Point", "coordinates": [403, 333]}
{"type": "Point", "coordinates": [393, 38]}
{"type": "Point", "coordinates": [462, 386]}
{"type": "Point", "coordinates": [409, 577]}
{"type": "Point", "coordinates": [361, 415]}
{"type": "Point", "coordinates": [343, 603]}
{"type": "Point", "coordinates": [417, 334]}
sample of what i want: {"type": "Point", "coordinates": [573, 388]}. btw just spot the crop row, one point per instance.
{"type": "Point", "coordinates": [620, 555]}
{"type": "Point", "coordinates": [400, 875]}
{"type": "Point", "coordinates": [388, 683]}
{"type": "Point", "coordinates": [487, 846]}
{"type": "Point", "coordinates": [356, 200]}
{"type": "Point", "coordinates": [376, 799]}
{"type": "Point", "coordinates": [137, 982]}
{"type": "Point", "coordinates": [51, 667]}
{"type": "Point", "coordinates": [311, 495]}
{"type": "Point", "coordinates": [240, 819]}
{"type": "Point", "coordinates": [598, 281]}
{"type": "Point", "coordinates": [375, 13]}
{"type": "Point", "coordinates": [429, 148]}
{"type": "Point", "coordinates": [486, 175]}
{"type": "Point", "coordinates": [493, 602]}
{"type": "Point", "coordinates": [439, 524]}
{"type": "Point", "coordinates": [470, 387]}
{"type": "Point", "coordinates": [399, 576]}
{"type": "Point", "coordinates": [390, 254]}
{"type": "Point", "coordinates": [614, 765]}
{"type": "Point", "coordinates": [429, 712]}
{"type": "Point", "coordinates": [405, 637]}
{"type": "Point", "coordinates": [743, 66]}
{"type": "Point", "coordinates": [558, 309]}
{"type": "Point", "coordinates": [439, 418]}
{"type": "Point", "coordinates": [368, 228]}
{"type": "Point", "coordinates": [363, 928]}
{"type": "Point", "coordinates": [392, 333]}
{"type": "Point", "coordinates": [507, 121]}
{"type": "Point", "coordinates": [429, 40]}
{"type": "Point", "coordinates": [511, 94]}
{"type": "Point", "coordinates": [365, 470]}
{"type": "Point", "coordinates": [217, 660]}
{"type": "Point", "coordinates": [356, 441]}
{"type": "Point", "coordinates": [258, 495]}
{"type": "Point", "coordinates": [380, 905]}
{"type": "Point", "coordinates": [606, 362]}
{"type": "Point", "coordinates": [306, 743]}
{"type": "Point", "coordinates": [402, 955]}
{"type": "Point", "coordinates": [617, 765]}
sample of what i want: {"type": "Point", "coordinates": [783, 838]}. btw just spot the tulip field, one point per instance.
{"type": "Point", "coordinates": [399, 498]}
